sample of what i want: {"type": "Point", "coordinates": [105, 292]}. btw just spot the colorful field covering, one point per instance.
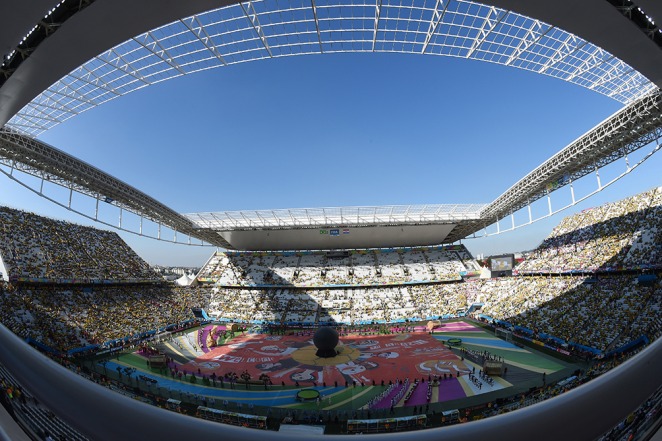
{"type": "Point", "coordinates": [363, 360]}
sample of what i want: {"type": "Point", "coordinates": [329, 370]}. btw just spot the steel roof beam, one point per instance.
{"type": "Point", "coordinates": [496, 30]}
{"type": "Point", "coordinates": [378, 11]}
{"type": "Point", "coordinates": [44, 161]}
{"type": "Point", "coordinates": [569, 46]}
{"type": "Point", "coordinates": [489, 24]}
{"type": "Point", "coordinates": [252, 16]}
{"type": "Point", "coordinates": [633, 127]}
{"type": "Point", "coordinates": [532, 36]}
{"type": "Point", "coordinates": [437, 17]}
{"type": "Point", "coordinates": [317, 25]}
{"type": "Point", "coordinates": [203, 37]}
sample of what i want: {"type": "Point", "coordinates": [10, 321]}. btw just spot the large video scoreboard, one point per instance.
{"type": "Point", "coordinates": [501, 266]}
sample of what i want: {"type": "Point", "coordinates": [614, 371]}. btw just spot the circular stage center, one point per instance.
{"type": "Point", "coordinates": [308, 395]}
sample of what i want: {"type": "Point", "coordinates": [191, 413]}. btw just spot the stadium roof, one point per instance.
{"type": "Point", "coordinates": [339, 227]}
{"type": "Point", "coordinates": [83, 54]}
{"type": "Point", "coordinates": [77, 55]}
{"type": "Point", "coordinates": [321, 217]}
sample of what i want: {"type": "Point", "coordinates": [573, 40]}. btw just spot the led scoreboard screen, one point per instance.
{"type": "Point", "coordinates": [502, 263]}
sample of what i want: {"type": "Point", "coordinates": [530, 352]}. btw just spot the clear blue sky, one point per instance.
{"type": "Point", "coordinates": [335, 130]}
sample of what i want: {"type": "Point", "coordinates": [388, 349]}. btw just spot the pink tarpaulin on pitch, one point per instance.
{"type": "Point", "coordinates": [291, 359]}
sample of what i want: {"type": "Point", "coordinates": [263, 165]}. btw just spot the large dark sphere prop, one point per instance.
{"type": "Point", "coordinates": [326, 339]}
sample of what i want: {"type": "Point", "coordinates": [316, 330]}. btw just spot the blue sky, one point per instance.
{"type": "Point", "coordinates": [336, 130]}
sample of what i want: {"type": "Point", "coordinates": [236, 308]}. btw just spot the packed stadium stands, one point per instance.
{"type": "Point", "coordinates": [70, 286]}
{"type": "Point", "coordinates": [342, 305]}
{"type": "Point", "coordinates": [621, 235]}
{"type": "Point", "coordinates": [583, 289]}
{"type": "Point", "coordinates": [298, 287]}
{"type": "Point", "coordinates": [36, 248]}
{"type": "Point", "coordinates": [69, 317]}
{"type": "Point", "coordinates": [353, 267]}
{"type": "Point", "coordinates": [603, 315]}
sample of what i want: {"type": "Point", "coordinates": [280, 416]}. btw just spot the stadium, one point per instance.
{"type": "Point", "coordinates": [332, 320]}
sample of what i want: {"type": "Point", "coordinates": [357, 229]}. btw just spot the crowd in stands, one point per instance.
{"type": "Point", "coordinates": [344, 305]}
{"type": "Point", "coordinates": [599, 311]}
{"type": "Point", "coordinates": [605, 314]}
{"type": "Point", "coordinates": [604, 310]}
{"type": "Point", "coordinates": [320, 269]}
{"type": "Point", "coordinates": [36, 247]}
{"type": "Point", "coordinates": [69, 317]}
{"type": "Point", "coordinates": [622, 234]}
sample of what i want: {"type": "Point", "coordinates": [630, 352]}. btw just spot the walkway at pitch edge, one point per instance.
{"type": "Point", "coordinates": [271, 398]}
